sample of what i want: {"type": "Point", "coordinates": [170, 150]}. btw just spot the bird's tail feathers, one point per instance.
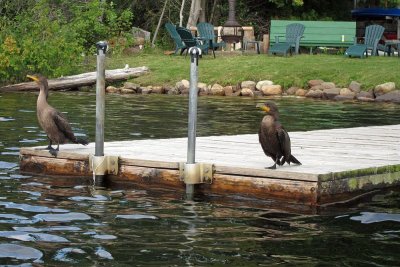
{"type": "Point", "coordinates": [81, 141]}
{"type": "Point", "coordinates": [294, 160]}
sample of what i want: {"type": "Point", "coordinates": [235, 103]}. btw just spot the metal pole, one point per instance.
{"type": "Point", "coordinates": [100, 101]}
{"type": "Point", "coordinates": [100, 97]}
{"type": "Point", "coordinates": [192, 118]}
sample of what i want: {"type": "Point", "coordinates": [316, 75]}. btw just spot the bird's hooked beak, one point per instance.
{"type": "Point", "coordinates": [36, 79]}
{"type": "Point", "coordinates": [263, 107]}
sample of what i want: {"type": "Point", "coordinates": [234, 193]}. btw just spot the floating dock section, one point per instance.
{"type": "Point", "coordinates": [337, 164]}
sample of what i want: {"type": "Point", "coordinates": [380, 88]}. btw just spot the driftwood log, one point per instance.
{"type": "Point", "coordinates": [75, 81]}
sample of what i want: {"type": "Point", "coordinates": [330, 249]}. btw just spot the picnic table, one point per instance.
{"type": "Point", "coordinates": [319, 33]}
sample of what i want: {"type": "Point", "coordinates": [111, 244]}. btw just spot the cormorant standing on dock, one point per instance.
{"type": "Point", "coordinates": [53, 122]}
{"type": "Point", "coordinates": [273, 137]}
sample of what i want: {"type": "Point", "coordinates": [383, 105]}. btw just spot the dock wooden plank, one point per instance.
{"type": "Point", "coordinates": [226, 151]}
{"type": "Point", "coordinates": [330, 158]}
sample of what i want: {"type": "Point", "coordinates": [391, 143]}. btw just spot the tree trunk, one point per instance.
{"type": "Point", "coordinates": [159, 23]}
{"type": "Point", "coordinates": [75, 81]}
{"type": "Point", "coordinates": [202, 17]}
{"type": "Point", "coordinates": [181, 13]}
{"type": "Point", "coordinates": [212, 11]}
{"type": "Point", "coordinates": [195, 9]}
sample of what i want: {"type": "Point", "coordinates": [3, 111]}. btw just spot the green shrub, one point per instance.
{"type": "Point", "coordinates": [52, 38]}
{"type": "Point", "coordinates": [96, 20]}
{"type": "Point", "coordinates": [10, 60]}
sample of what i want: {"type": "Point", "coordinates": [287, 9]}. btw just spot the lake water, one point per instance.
{"type": "Point", "coordinates": [47, 221]}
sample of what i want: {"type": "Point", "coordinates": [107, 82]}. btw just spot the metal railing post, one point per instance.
{"type": "Point", "coordinates": [192, 117]}
{"type": "Point", "coordinates": [100, 102]}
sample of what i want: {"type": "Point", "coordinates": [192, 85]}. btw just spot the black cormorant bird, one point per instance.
{"type": "Point", "coordinates": [53, 122]}
{"type": "Point", "coordinates": [273, 137]}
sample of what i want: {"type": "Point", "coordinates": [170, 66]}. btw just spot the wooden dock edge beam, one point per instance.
{"type": "Point", "coordinates": [168, 175]}
{"type": "Point", "coordinates": [357, 184]}
{"type": "Point", "coordinates": [146, 173]}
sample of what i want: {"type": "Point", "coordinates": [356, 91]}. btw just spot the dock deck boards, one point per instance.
{"type": "Point", "coordinates": [323, 153]}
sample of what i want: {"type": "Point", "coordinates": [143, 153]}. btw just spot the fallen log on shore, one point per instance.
{"type": "Point", "coordinates": [75, 81]}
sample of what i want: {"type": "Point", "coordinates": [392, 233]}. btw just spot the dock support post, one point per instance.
{"type": "Point", "coordinates": [100, 105]}
{"type": "Point", "coordinates": [190, 172]}
{"type": "Point", "coordinates": [192, 119]}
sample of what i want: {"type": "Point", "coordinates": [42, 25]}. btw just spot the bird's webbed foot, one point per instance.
{"type": "Point", "coordinates": [49, 147]}
{"type": "Point", "coordinates": [277, 160]}
{"type": "Point", "coordinates": [273, 167]}
{"type": "Point", "coordinates": [54, 151]}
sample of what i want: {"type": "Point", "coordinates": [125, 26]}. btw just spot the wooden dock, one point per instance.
{"type": "Point", "coordinates": [338, 164]}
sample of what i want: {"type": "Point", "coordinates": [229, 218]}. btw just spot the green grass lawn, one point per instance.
{"type": "Point", "coordinates": [229, 69]}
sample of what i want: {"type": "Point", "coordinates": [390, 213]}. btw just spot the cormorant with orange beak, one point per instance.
{"type": "Point", "coordinates": [53, 122]}
{"type": "Point", "coordinates": [273, 137]}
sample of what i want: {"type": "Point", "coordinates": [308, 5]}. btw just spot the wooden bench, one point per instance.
{"type": "Point", "coordinates": [318, 33]}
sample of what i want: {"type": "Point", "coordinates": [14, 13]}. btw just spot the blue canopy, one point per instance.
{"type": "Point", "coordinates": [375, 12]}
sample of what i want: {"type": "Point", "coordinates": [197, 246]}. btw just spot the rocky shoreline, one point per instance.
{"type": "Point", "coordinates": [318, 89]}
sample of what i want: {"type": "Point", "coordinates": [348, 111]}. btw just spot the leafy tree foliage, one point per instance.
{"type": "Point", "coordinates": [51, 36]}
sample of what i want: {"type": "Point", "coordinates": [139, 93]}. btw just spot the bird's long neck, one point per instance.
{"type": "Point", "coordinates": [274, 115]}
{"type": "Point", "coordinates": [43, 95]}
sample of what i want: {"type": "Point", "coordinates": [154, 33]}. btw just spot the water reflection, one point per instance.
{"type": "Point", "coordinates": [373, 217]}
{"type": "Point", "coordinates": [29, 208]}
{"type": "Point", "coordinates": [57, 221]}
{"type": "Point", "coordinates": [62, 254]}
{"type": "Point", "coordinates": [40, 237]}
{"type": "Point", "coordinates": [19, 252]}
{"type": "Point", "coordinates": [102, 253]}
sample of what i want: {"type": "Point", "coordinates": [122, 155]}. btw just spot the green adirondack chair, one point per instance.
{"type": "Point", "coordinates": [206, 32]}
{"type": "Point", "coordinates": [171, 28]}
{"type": "Point", "coordinates": [373, 33]}
{"type": "Point", "coordinates": [190, 41]}
{"type": "Point", "coordinates": [294, 32]}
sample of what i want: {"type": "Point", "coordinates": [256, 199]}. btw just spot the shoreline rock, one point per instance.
{"type": "Point", "coordinates": [317, 89]}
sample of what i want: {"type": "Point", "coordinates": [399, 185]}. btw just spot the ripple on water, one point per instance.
{"type": "Point", "coordinates": [6, 119]}
{"type": "Point", "coordinates": [136, 217]}
{"type": "Point", "coordinates": [13, 216]}
{"type": "Point", "coordinates": [29, 141]}
{"type": "Point", "coordinates": [19, 252]}
{"type": "Point", "coordinates": [34, 184]}
{"type": "Point", "coordinates": [62, 254]}
{"type": "Point", "coordinates": [373, 217]}
{"type": "Point", "coordinates": [48, 229]}
{"type": "Point", "coordinates": [32, 193]}
{"type": "Point", "coordinates": [17, 235]}
{"type": "Point", "coordinates": [10, 153]}
{"type": "Point", "coordinates": [63, 217]}
{"type": "Point", "coordinates": [42, 237]}
{"type": "Point", "coordinates": [26, 236]}
{"type": "Point", "coordinates": [104, 254]}
{"type": "Point", "coordinates": [13, 148]}
{"type": "Point", "coordinates": [94, 198]}
{"type": "Point", "coordinates": [15, 219]}
{"type": "Point", "coordinates": [7, 165]}
{"type": "Point", "coordinates": [30, 208]}
{"type": "Point", "coordinates": [104, 237]}
{"type": "Point", "coordinates": [100, 236]}
{"type": "Point", "coordinates": [19, 176]}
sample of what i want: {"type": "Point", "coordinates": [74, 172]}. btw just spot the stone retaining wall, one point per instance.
{"type": "Point", "coordinates": [386, 92]}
